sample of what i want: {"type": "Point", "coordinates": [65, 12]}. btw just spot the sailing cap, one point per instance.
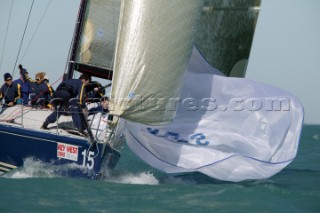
{"type": "Point", "coordinates": [7, 76]}
{"type": "Point", "coordinates": [22, 69]}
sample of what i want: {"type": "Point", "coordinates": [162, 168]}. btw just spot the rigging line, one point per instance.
{"type": "Point", "coordinates": [5, 93]}
{"type": "Point", "coordinates": [5, 38]}
{"type": "Point", "coordinates": [114, 34]}
{"type": "Point", "coordinates": [25, 29]}
{"type": "Point", "coordinates": [36, 30]}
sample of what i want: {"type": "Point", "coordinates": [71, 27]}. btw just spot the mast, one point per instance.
{"type": "Point", "coordinates": [76, 38]}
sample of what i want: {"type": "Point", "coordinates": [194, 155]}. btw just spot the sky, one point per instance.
{"type": "Point", "coordinates": [47, 38]}
{"type": "Point", "coordinates": [285, 50]}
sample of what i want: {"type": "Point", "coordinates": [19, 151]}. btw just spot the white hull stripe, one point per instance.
{"type": "Point", "coordinates": [4, 169]}
{"type": "Point", "coordinates": [7, 165]}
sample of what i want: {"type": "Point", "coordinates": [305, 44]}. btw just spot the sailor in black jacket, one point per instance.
{"type": "Point", "coordinates": [9, 91]}
{"type": "Point", "coordinates": [95, 91]}
{"type": "Point", "coordinates": [70, 93]}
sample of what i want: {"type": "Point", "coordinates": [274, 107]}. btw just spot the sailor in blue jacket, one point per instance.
{"type": "Point", "coordinates": [102, 106]}
{"type": "Point", "coordinates": [44, 91]}
{"type": "Point", "coordinates": [95, 91]}
{"type": "Point", "coordinates": [24, 82]}
{"type": "Point", "coordinates": [70, 93]}
{"type": "Point", "coordinates": [9, 91]}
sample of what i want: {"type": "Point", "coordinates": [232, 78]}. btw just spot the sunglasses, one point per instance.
{"type": "Point", "coordinates": [37, 79]}
{"type": "Point", "coordinates": [8, 80]}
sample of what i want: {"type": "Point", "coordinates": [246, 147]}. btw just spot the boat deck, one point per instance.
{"type": "Point", "coordinates": [32, 118]}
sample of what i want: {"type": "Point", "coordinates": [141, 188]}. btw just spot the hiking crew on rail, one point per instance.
{"type": "Point", "coordinates": [70, 93]}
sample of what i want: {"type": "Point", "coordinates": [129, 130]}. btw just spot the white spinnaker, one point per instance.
{"type": "Point", "coordinates": [154, 45]}
{"type": "Point", "coordinates": [221, 130]}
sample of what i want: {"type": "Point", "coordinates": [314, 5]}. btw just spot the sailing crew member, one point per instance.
{"type": "Point", "coordinates": [70, 93]}
{"type": "Point", "coordinates": [24, 82]}
{"type": "Point", "coordinates": [98, 117]}
{"type": "Point", "coordinates": [95, 91]}
{"type": "Point", "coordinates": [44, 91]}
{"type": "Point", "coordinates": [10, 92]}
{"type": "Point", "coordinates": [102, 106]}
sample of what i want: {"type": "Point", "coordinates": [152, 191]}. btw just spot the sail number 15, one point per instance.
{"type": "Point", "coordinates": [88, 159]}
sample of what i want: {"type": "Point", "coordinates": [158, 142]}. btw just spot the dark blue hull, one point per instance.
{"type": "Point", "coordinates": [17, 144]}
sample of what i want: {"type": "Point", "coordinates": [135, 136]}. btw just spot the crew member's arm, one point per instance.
{"type": "Point", "coordinates": [99, 89]}
{"type": "Point", "coordinates": [82, 96]}
{"type": "Point", "coordinates": [17, 93]}
{"type": "Point", "coordinates": [50, 89]}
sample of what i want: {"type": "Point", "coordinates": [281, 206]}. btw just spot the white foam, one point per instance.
{"type": "Point", "coordinates": [316, 137]}
{"type": "Point", "coordinates": [143, 178]}
{"type": "Point", "coordinates": [36, 168]}
{"type": "Point", "coordinates": [33, 168]}
{"type": "Point", "coordinates": [177, 180]}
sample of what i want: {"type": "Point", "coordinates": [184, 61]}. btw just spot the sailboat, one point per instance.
{"type": "Point", "coordinates": [178, 96]}
{"type": "Point", "coordinates": [80, 155]}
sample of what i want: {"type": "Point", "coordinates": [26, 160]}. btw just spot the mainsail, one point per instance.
{"type": "Point", "coordinates": [99, 34]}
{"type": "Point", "coordinates": [180, 114]}
{"type": "Point", "coordinates": [96, 35]}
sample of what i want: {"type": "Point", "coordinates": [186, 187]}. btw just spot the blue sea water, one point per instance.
{"type": "Point", "coordinates": [135, 187]}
